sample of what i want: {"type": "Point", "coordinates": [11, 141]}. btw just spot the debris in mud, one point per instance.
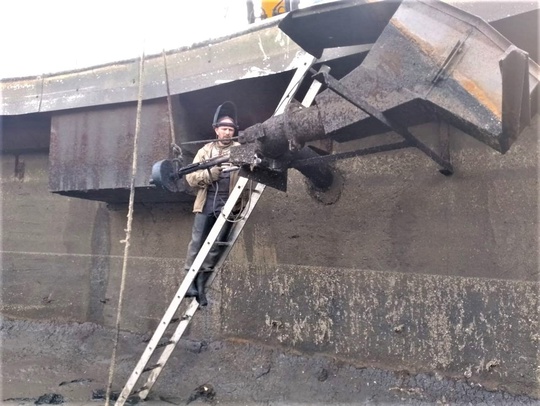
{"type": "Point", "coordinates": [172, 401]}
{"type": "Point", "coordinates": [100, 394]}
{"type": "Point", "coordinates": [492, 364]}
{"type": "Point", "coordinates": [322, 375]}
{"type": "Point", "coordinates": [204, 392]}
{"type": "Point", "coordinates": [19, 399]}
{"type": "Point", "coordinates": [262, 370]}
{"type": "Point", "coordinates": [47, 299]}
{"type": "Point", "coordinates": [81, 381]}
{"type": "Point", "coordinates": [399, 329]}
{"type": "Point", "coordinates": [50, 399]}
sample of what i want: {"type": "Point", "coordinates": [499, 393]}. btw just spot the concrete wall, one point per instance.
{"type": "Point", "coordinates": [408, 270]}
{"type": "Point", "coordinates": [62, 257]}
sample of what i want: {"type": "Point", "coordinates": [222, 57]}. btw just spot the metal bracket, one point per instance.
{"type": "Point", "coordinates": [337, 87]}
{"type": "Point", "coordinates": [444, 147]}
{"type": "Point", "coordinates": [350, 154]}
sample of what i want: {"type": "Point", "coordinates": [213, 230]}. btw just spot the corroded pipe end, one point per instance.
{"type": "Point", "coordinates": [332, 193]}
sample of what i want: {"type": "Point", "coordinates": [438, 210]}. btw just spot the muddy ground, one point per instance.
{"type": "Point", "coordinates": [72, 360]}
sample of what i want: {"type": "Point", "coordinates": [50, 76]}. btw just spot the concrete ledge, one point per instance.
{"type": "Point", "coordinates": [483, 329]}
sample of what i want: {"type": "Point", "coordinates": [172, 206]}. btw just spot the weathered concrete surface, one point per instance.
{"type": "Point", "coordinates": [472, 327]}
{"type": "Point", "coordinates": [409, 270]}
{"type": "Point", "coordinates": [72, 360]}
{"type": "Point", "coordinates": [398, 213]}
{"type": "Point", "coordinates": [62, 257]}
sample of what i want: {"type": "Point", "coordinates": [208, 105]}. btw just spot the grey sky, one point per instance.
{"type": "Point", "coordinates": [40, 37]}
{"type": "Point", "coordinates": [49, 36]}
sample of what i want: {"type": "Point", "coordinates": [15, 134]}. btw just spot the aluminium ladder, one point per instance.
{"type": "Point", "coordinates": [305, 62]}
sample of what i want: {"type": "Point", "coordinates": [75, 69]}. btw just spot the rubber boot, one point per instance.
{"type": "Point", "coordinates": [202, 277]}
{"type": "Point", "coordinates": [192, 290]}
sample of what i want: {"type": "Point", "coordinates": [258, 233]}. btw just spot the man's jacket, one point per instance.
{"type": "Point", "coordinates": [200, 180]}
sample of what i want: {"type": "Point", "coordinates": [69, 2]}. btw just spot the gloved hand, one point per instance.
{"type": "Point", "coordinates": [215, 172]}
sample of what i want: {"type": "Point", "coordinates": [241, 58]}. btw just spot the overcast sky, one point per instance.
{"type": "Point", "coordinates": [46, 36]}
{"type": "Point", "coordinates": [49, 36]}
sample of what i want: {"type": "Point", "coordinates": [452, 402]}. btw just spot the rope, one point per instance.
{"type": "Point", "coordinates": [175, 150]}
{"type": "Point", "coordinates": [128, 228]}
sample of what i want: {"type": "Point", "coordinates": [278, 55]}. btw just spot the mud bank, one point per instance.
{"type": "Point", "coordinates": [72, 360]}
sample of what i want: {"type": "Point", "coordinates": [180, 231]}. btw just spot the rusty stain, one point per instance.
{"type": "Point", "coordinates": [426, 47]}
{"type": "Point", "coordinates": [469, 85]}
{"type": "Point", "coordinates": [479, 94]}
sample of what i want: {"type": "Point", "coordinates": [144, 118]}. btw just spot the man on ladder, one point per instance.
{"type": "Point", "coordinates": [213, 187]}
{"type": "Point", "coordinates": [241, 193]}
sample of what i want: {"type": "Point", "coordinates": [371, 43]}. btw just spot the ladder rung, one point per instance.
{"type": "Point", "coordinates": [223, 243]}
{"type": "Point", "coordinates": [166, 343]}
{"type": "Point", "coordinates": [150, 368]}
{"type": "Point", "coordinates": [175, 320]}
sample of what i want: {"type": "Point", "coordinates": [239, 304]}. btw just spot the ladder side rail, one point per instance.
{"type": "Point", "coordinates": [169, 348]}
{"type": "Point", "coordinates": [313, 90]}
{"type": "Point", "coordinates": [238, 227]}
{"type": "Point", "coordinates": [186, 319]}
{"type": "Point", "coordinates": [306, 61]}
{"type": "Point", "coordinates": [194, 269]}
{"type": "Point", "coordinates": [181, 292]}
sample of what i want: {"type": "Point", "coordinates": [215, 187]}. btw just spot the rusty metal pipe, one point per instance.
{"type": "Point", "coordinates": [292, 129]}
{"type": "Point", "coordinates": [282, 138]}
{"type": "Point", "coordinates": [319, 174]}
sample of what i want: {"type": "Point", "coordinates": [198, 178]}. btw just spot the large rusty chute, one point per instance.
{"type": "Point", "coordinates": [431, 62]}
{"type": "Point", "coordinates": [422, 61]}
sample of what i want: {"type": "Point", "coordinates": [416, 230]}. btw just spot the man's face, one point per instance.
{"type": "Point", "coordinates": [224, 133]}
